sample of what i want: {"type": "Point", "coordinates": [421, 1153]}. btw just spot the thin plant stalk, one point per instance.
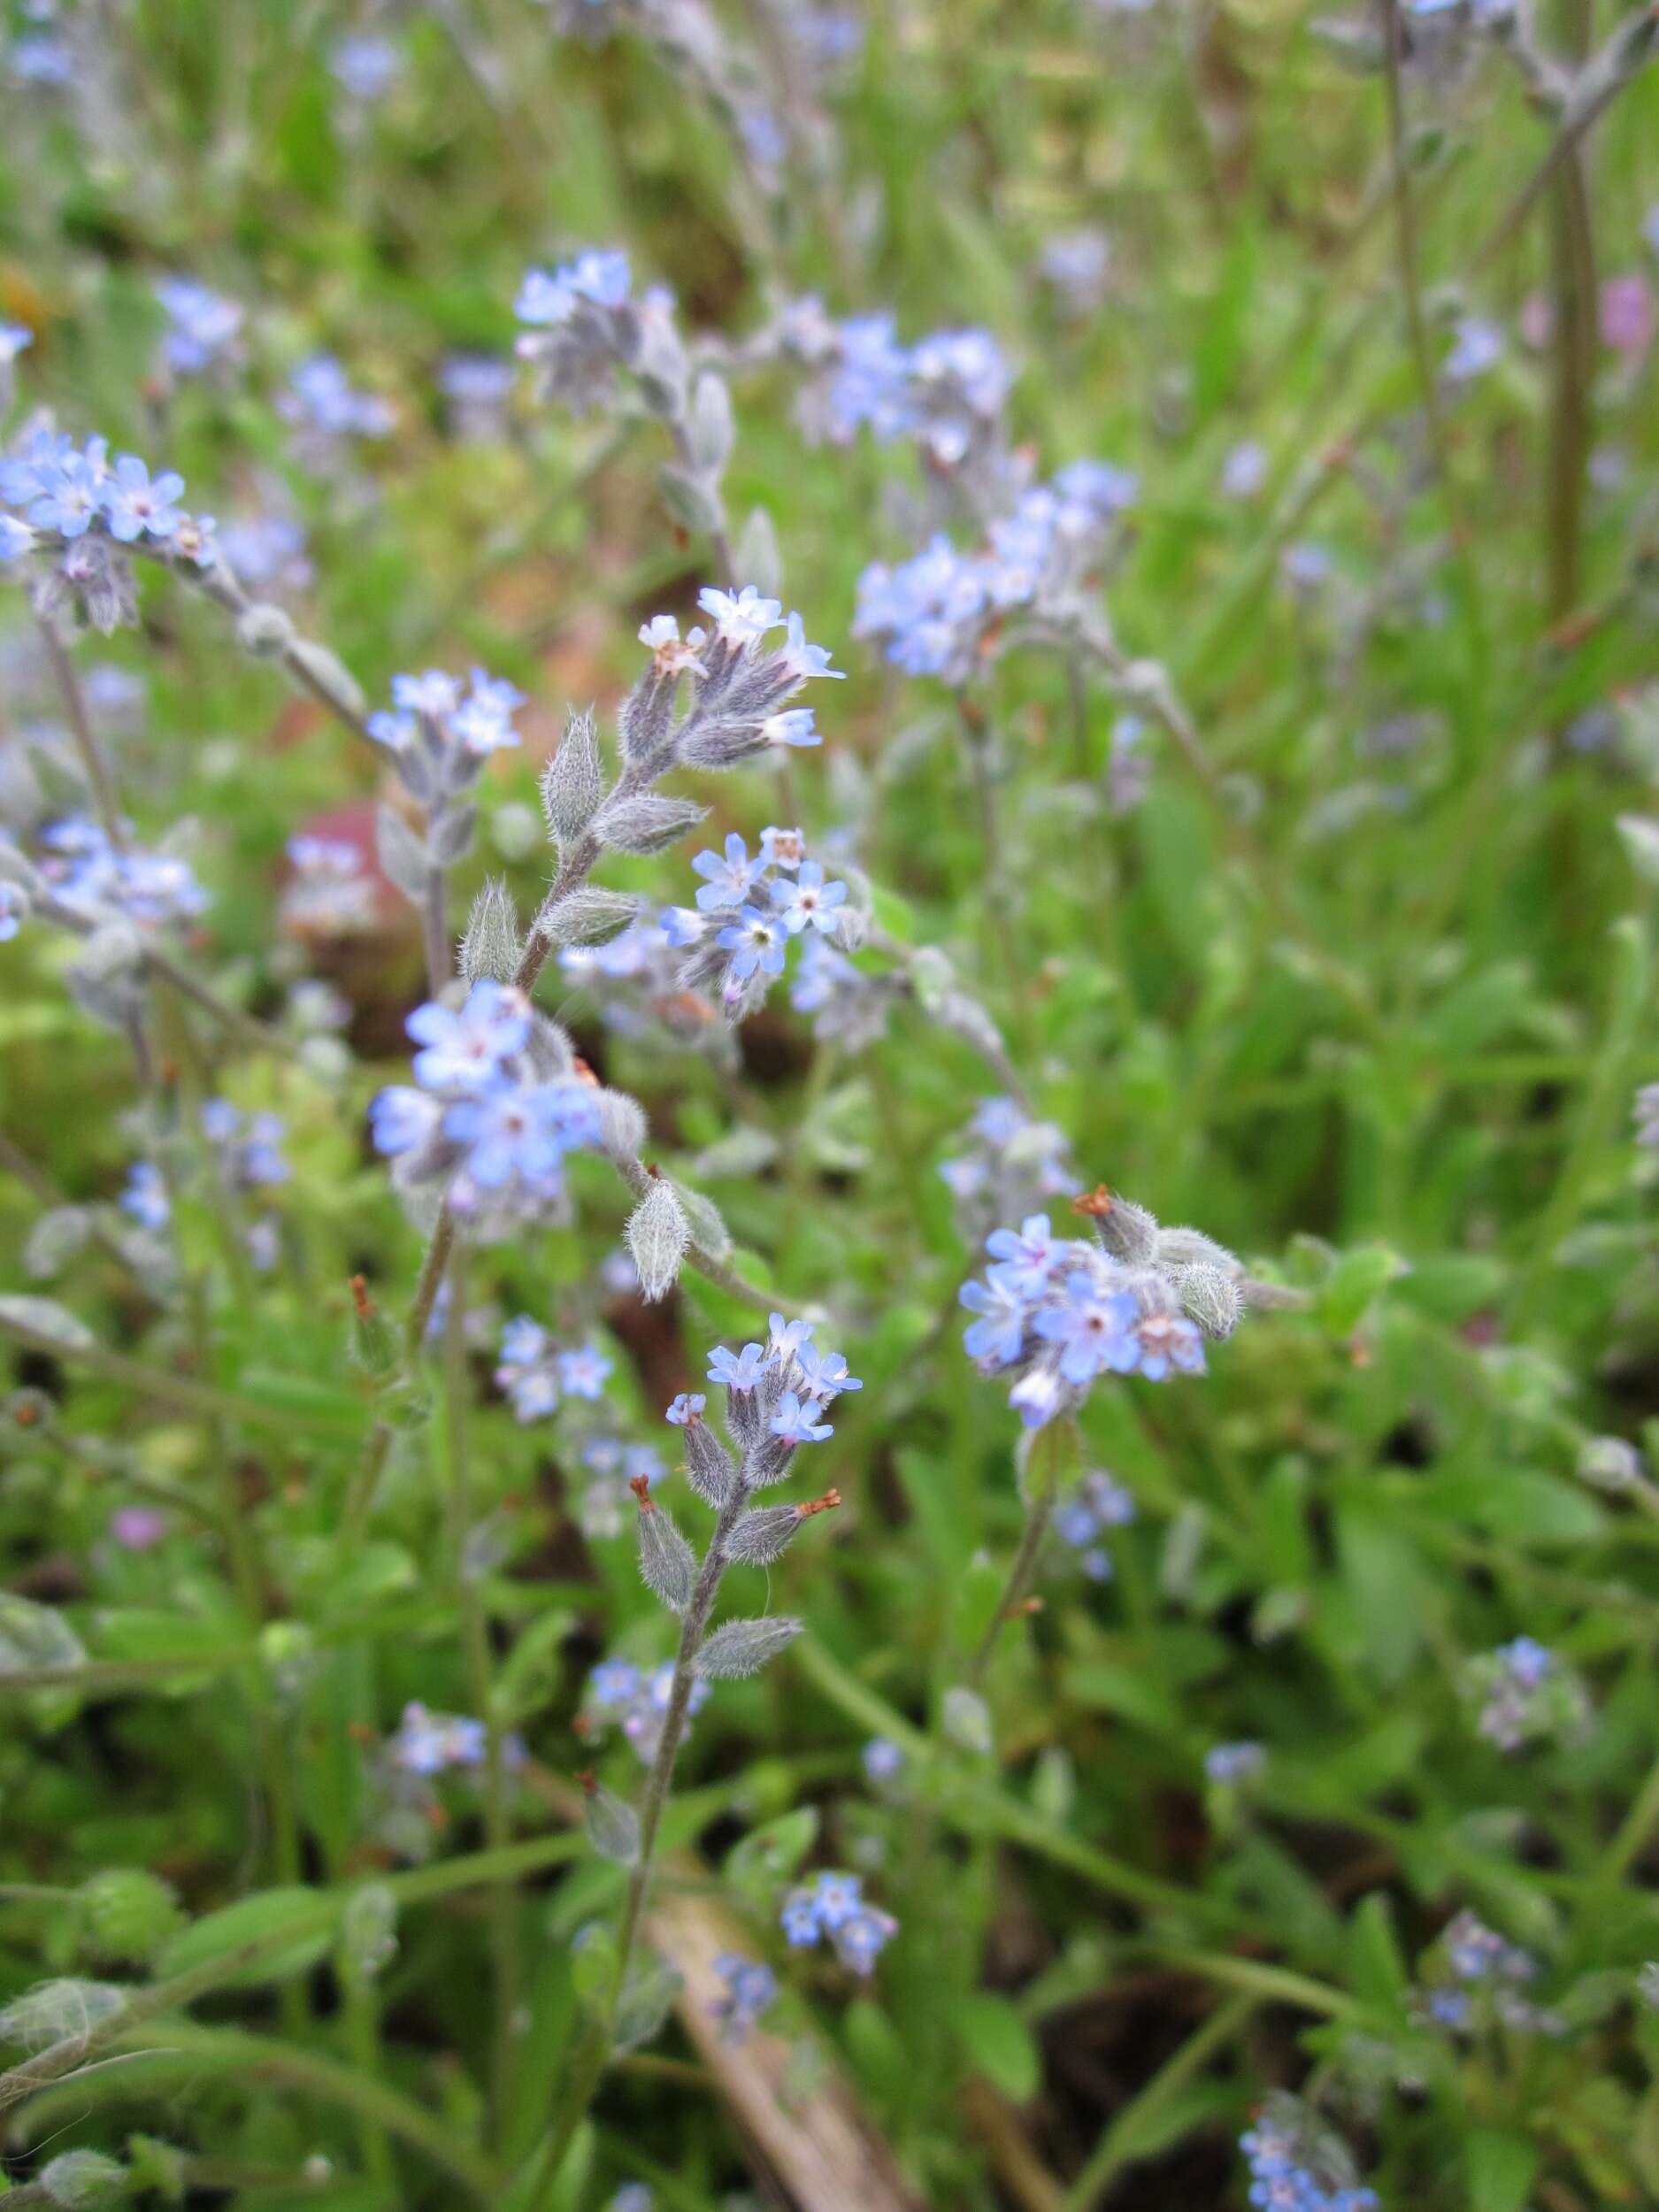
{"type": "Point", "coordinates": [1041, 1463]}
{"type": "Point", "coordinates": [475, 1640]}
{"type": "Point", "coordinates": [96, 768]}
{"type": "Point", "coordinates": [593, 2054]}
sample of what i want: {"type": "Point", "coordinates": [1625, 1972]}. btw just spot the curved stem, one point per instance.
{"type": "Point", "coordinates": [1020, 1575]}
{"type": "Point", "coordinates": [594, 2052]}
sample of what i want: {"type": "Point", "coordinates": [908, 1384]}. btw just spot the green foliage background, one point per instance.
{"type": "Point", "coordinates": [1376, 1024]}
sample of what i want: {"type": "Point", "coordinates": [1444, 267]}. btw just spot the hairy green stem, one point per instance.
{"type": "Point", "coordinates": [594, 2052]}
{"type": "Point", "coordinates": [1039, 1514]}
{"type": "Point", "coordinates": [475, 1641]}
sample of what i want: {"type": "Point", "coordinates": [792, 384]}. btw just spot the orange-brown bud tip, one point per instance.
{"type": "Point", "coordinates": [827, 1503]}
{"type": "Point", "coordinates": [359, 1287]}
{"type": "Point", "coordinates": [640, 1486]}
{"type": "Point", "coordinates": [1095, 1203]}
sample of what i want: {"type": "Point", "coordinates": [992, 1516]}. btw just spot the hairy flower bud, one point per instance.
{"type": "Point", "coordinates": [82, 2181]}
{"type": "Point", "coordinates": [708, 1224]}
{"type": "Point", "coordinates": [585, 917]}
{"type": "Point", "coordinates": [265, 631]}
{"type": "Point", "coordinates": [402, 854]}
{"type": "Point", "coordinates": [329, 674]}
{"type": "Point", "coordinates": [1211, 1299]}
{"type": "Point", "coordinates": [709, 1466]}
{"type": "Point", "coordinates": [764, 1535]}
{"type": "Point", "coordinates": [691, 499]}
{"type": "Point", "coordinates": [622, 1124]}
{"type": "Point", "coordinates": [613, 1827]}
{"type": "Point", "coordinates": [1607, 1463]}
{"type": "Point", "coordinates": [489, 948]}
{"type": "Point", "coordinates": [573, 783]}
{"type": "Point", "coordinates": [742, 1647]}
{"type": "Point", "coordinates": [1128, 1231]}
{"type": "Point", "coordinates": [645, 823]}
{"type": "Point", "coordinates": [128, 1913]}
{"type": "Point", "coordinates": [668, 1566]}
{"type": "Point", "coordinates": [450, 835]}
{"type": "Point", "coordinates": [58, 2011]}
{"type": "Point", "coordinates": [368, 1933]}
{"type": "Point", "coordinates": [657, 1235]}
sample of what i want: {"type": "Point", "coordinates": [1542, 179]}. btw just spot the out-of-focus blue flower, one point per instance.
{"type": "Point", "coordinates": [751, 1987]}
{"type": "Point", "coordinates": [202, 327]}
{"type": "Point", "coordinates": [469, 1047]}
{"type": "Point", "coordinates": [145, 1196]}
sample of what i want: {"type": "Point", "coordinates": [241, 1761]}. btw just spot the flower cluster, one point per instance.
{"type": "Point", "coordinates": [330, 892]}
{"type": "Point", "coordinates": [1296, 2165]}
{"type": "Point", "coordinates": [635, 1699]}
{"type": "Point", "coordinates": [266, 549]}
{"type": "Point", "coordinates": [777, 1390]}
{"type": "Point", "coordinates": [430, 1743]}
{"type": "Point", "coordinates": [1487, 1975]}
{"type": "Point", "coordinates": [639, 990]}
{"type": "Point", "coordinates": [498, 1106]}
{"type": "Point", "coordinates": [326, 408]}
{"type": "Point", "coordinates": [1526, 1693]}
{"type": "Point", "coordinates": [1012, 1165]}
{"type": "Point", "coordinates": [92, 878]}
{"type": "Point", "coordinates": [751, 1988]}
{"type": "Point", "coordinates": [406, 1809]}
{"type": "Point", "coordinates": [478, 388]}
{"type": "Point", "coordinates": [537, 1374]}
{"type": "Point", "coordinates": [144, 1197]}
{"type": "Point", "coordinates": [1230, 1765]}
{"type": "Point", "coordinates": [750, 909]}
{"type": "Point", "coordinates": [71, 506]}
{"type": "Point", "coordinates": [934, 613]}
{"type": "Point", "coordinates": [741, 686]}
{"type": "Point", "coordinates": [366, 65]}
{"type": "Point", "coordinates": [1128, 765]}
{"type": "Point", "coordinates": [848, 1007]}
{"type": "Point", "coordinates": [1096, 1505]}
{"type": "Point", "coordinates": [948, 391]}
{"type": "Point", "coordinates": [1058, 1312]}
{"type": "Point", "coordinates": [833, 1905]}
{"type": "Point", "coordinates": [617, 1469]}
{"type": "Point", "coordinates": [245, 1151]}
{"type": "Point", "coordinates": [203, 327]}
{"type": "Point", "coordinates": [438, 734]}
{"type": "Point", "coordinates": [1077, 264]}
{"type": "Point", "coordinates": [882, 1761]}
{"type": "Point", "coordinates": [585, 324]}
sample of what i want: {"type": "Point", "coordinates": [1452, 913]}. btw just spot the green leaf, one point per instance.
{"type": "Point", "coordinates": [1125, 1691]}
{"type": "Point", "coordinates": [999, 2044]}
{"type": "Point", "coordinates": [1376, 1970]}
{"type": "Point", "coordinates": [1358, 1277]}
{"type": "Point", "coordinates": [1501, 2167]}
{"type": "Point", "coordinates": [771, 1854]}
{"type": "Point", "coordinates": [304, 1915]}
